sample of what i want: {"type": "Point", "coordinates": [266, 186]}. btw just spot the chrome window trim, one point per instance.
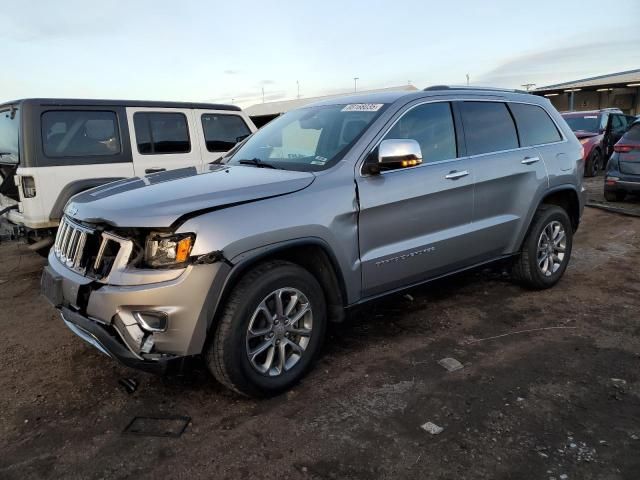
{"type": "Point", "coordinates": [377, 142]}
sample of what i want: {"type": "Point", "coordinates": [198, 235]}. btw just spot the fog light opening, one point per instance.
{"type": "Point", "coordinates": [152, 321]}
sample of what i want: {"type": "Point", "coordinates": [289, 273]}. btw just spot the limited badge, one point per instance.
{"type": "Point", "coordinates": [363, 107]}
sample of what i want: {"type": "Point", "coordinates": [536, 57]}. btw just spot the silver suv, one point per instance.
{"type": "Point", "coordinates": [245, 260]}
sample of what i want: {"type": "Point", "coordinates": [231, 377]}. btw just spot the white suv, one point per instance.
{"type": "Point", "coordinates": [52, 149]}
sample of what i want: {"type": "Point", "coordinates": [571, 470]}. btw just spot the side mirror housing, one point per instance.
{"type": "Point", "coordinates": [394, 153]}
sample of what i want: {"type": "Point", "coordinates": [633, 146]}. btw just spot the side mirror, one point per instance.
{"type": "Point", "coordinates": [394, 153]}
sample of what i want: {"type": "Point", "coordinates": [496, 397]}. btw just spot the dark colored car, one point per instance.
{"type": "Point", "coordinates": [623, 169]}
{"type": "Point", "coordinates": [598, 131]}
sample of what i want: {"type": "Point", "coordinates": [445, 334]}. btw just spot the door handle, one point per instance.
{"type": "Point", "coordinates": [530, 160]}
{"type": "Point", "coordinates": [455, 175]}
{"type": "Point", "coordinates": [154, 170]}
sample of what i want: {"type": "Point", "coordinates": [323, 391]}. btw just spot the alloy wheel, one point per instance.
{"type": "Point", "coordinates": [552, 245]}
{"type": "Point", "coordinates": [279, 331]}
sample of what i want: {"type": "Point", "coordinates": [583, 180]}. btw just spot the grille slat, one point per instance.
{"type": "Point", "coordinates": [91, 253]}
{"type": "Point", "coordinates": [70, 243]}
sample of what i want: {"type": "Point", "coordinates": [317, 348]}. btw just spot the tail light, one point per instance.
{"type": "Point", "coordinates": [625, 148]}
{"type": "Point", "coordinates": [28, 187]}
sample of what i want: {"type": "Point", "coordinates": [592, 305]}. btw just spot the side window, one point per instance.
{"type": "Point", "coordinates": [161, 133]}
{"type": "Point", "coordinates": [618, 124]}
{"type": "Point", "coordinates": [80, 133]}
{"type": "Point", "coordinates": [488, 127]}
{"type": "Point", "coordinates": [604, 121]}
{"type": "Point", "coordinates": [222, 132]}
{"type": "Point", "coordinates": [535, 127]}
{"type": "Point", "coordinates": [431, 125]}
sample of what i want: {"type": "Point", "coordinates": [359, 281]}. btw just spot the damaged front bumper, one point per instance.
{"type": "Point", "coordinates": [112, 317]}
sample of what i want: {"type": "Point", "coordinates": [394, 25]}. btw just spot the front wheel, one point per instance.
{"type": "Point", "coordinates": [270, 331]}
{"type": "Point", "coordinates": [546, 249]}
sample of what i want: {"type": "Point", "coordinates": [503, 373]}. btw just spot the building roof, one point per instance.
{"type": "Point", "coordinates": [620, 78]}
{"type": "Point", "coordinates": [275, 108]}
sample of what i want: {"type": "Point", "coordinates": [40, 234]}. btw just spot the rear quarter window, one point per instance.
{"type": "Point", "coordinates": [535, 127]}
{"type": "Point", "coordinates": [80, 133]}
{"type": "Point", "coordinates": [488, 127]}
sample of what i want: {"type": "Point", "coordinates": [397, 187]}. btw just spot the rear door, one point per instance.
{"type": "Point", "coordinates": [163, 139]}
{"type": "Point", "coordinates": [219, 131]}
{"type": "Point", "coordinates": [413, 221]}
{"type": "Point", "coordinates": [508, 175]}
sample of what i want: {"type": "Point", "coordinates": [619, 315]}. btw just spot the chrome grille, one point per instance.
{"type": "Point", "coordinates": [92, 253]}
{"type": "Point", "coordinates": [69, 245]}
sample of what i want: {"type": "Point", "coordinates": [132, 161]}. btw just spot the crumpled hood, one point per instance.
{"type": "Point", "coordinates": [158, 200]}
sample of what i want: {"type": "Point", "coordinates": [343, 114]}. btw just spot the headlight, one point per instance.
{"type": "Point", "coordinates": [168, 250]}
{"type": "Point", "coordinates": [584, 140]}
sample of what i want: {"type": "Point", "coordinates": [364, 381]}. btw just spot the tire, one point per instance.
{"type": "Point", "coordinates": [614, 196]}
{"type": "Point", "coordinates": [594, 164]}
{"type": "Point", "coordinates": [228, 351]}
{"type": "Point", "coordinates": [527, 269]}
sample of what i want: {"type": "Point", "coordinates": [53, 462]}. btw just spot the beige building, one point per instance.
{"type": "Point", "coordinates": [620, 90]}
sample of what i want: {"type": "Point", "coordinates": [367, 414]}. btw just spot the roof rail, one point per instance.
{"type": "Point", "coordinates": [469, 87]}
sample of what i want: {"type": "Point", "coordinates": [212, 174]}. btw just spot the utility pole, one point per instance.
{"type": "Point", "coordinates": [467, 75]}
{"type": "Point", "coordinates": [298, 84]}
{"type": "Point", "coordinates": [528, 86]}
{"type": "Point", "coordinates": [355, 84]}
{"type": "Point", "coordinates": [262, 94]}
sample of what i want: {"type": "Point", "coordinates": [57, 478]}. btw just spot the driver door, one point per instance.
{"type": "Point", "coordinates": [414, 222]}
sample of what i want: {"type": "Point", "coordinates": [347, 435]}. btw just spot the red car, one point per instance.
{"type": "Point", "coordinates": [598, 131]}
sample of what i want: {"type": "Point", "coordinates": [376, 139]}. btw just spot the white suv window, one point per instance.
{"type": "Point", "coordinates": [75, 133]}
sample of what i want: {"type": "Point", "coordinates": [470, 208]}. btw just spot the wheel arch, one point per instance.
{"type": "Point", "coordinates": [564, 196]}
{"type": "Point", "coordinates": [313, 254]}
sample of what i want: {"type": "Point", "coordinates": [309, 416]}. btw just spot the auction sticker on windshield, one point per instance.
{"type": "Point", "coordinates": [363, 107]}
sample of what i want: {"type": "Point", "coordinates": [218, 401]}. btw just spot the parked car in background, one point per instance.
{"type": "Point", "coordinates": [325, 207]}
{"type": "Point", "coordinates": [598, 131]}
{"type": "Point", "coordinates": [623, 170]}
{"type": "Point", "coordinates": [52, 149]}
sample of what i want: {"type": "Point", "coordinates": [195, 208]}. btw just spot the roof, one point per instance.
{"type": "Point", "coordinates": [593, 112]}
{"type": "Point", "coordinates": [623, 78]}
{"type": "Point", "coordinates": [275, 108]}
{"type": "Point", "coordinates": [121, 103]}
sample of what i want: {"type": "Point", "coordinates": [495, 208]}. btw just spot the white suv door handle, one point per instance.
{"type": "Point", "coordinates": [530, 160]}
{"type": "Point", "coordinates": [455, 175]}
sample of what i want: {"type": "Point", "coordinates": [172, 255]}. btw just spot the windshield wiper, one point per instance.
{"type": "Point", "coordinates": [256, 162]}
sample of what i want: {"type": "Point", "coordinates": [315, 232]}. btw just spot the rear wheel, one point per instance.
{"type": "Point", "coordinates": [614, 196]}
{"type": "Point", "coordinates": [594, 164]}
{"type": "Point", "coordinates": [546, 249]}
{"type": "Point", "coordinates": [270, 331]}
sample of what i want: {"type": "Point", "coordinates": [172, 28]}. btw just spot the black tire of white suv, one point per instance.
{"type": "Point", "coordinates": [252, 300]}
{"type": "Point", "coordinates": [546, 249]}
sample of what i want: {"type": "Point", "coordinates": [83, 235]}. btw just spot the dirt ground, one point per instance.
{"type": "Point", "coordinates": [595, 196]}
{"type": "Point", "coordinates": [535, 405]}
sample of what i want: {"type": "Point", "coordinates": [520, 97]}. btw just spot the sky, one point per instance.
{"type": "Point", "coordinates": [230, 51]}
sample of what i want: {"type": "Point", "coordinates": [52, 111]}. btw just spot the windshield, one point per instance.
{"type": "Point", "coordinates": [307, 139]}
{"type": "Point", "coordinates": [586, 123]}
{"type": "Point", "coordinates": [9, 127]}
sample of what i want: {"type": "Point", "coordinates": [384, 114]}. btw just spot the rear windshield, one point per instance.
{"type": "Point", "coordinates": [9, 136]}
{"type": "Point", "coordinates": [585, 123]}
{"type": "Point", "coordinates": [633, 134]}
